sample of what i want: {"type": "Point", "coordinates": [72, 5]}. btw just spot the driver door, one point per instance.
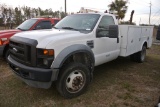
{"type": "Point", "coordinates": [106, 48]}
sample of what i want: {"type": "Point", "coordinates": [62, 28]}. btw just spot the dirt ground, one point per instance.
{"type": "Point", "coordinates": [120, 83]}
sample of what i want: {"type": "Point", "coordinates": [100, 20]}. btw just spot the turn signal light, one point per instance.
{"type": "Point", "coordinates": [1, 42]}
{"type": "Point", "coordinates": [48, 52]}
{"type": "Point", "coordinates": [45, 52]}
{"type": "Point", "coordinates": [51, 52]}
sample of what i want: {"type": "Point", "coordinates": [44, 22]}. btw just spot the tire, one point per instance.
{"type": "Point", "coordinates": [73, 80]}
{"type": "Point", "coordinates": [6, 54]}
{"type": "Point", "coordinates": [140, 56]}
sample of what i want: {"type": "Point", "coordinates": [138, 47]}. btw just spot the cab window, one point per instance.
{"type": "Point", "coordinates": [44, 25]}
{"type": "Point", "coordinates": [104, 24]}
{"type": "Point", "coordinates": [106, 21]}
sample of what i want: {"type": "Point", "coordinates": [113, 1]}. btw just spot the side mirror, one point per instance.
{"type": "Point", "coordinates": [102, 32]}
{"type": "Point", "coordinates": [110, 31]}
{"type": "Point", "coordinates": [113, 31]}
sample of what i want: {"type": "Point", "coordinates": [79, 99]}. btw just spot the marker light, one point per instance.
{"type": "Point", "coordinates": [1, 42]}
{"type": "Point", "coordinates": [48, 52]}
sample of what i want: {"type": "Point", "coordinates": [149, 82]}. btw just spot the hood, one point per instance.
{"type": "Point", "coordinates": [44, 37]}
{"type": "Point", "coordinates": [8, 33]}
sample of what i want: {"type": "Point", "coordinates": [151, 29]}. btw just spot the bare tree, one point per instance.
{"type": "Point", "coordinates": [131, 18]}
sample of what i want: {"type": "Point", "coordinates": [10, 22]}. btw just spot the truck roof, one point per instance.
{"type": "Point", "coordinates": [53, 20]}
{"type": "Point", "coordinates": [100, 14]}
{"type": "Point", "coordinates": [41, 18]}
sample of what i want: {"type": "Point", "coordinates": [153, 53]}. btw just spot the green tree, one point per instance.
{"type": "Point", "coordinates": [28, 12]}
{"type": "Point", "coordinates": [46, 12]}
{"type": "Point", "coordinates": [50, 12]}
{"type": "Point", "coordinates": [63, 14]}
{"type": "Point", "coordinates": [36, 11]}
{"type": "Point", "coordinates": [40, 11]}
{"type": "Point", "coordinates": [4, 12]}
{"type": "Point", "coordinates": [56, 14]}
{"type": "Point", "coordinates": [120, 6]}
{"type": "Point", "coordinates": [18, 16]}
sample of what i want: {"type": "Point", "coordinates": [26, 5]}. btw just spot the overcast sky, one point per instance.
{"type": "Point", "coordinates": [141, 7]}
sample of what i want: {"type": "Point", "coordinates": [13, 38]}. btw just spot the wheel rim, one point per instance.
{"type": "Point", "coordinates": [143, 54]}
{"type": "Point", "coordinates": [75, 81]}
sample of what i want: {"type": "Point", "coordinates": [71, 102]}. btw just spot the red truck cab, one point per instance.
{"type": "Point", "coordinates": [30, 24]}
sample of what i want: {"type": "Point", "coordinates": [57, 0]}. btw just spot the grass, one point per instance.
{"type": "Point", "coordinates": [120, 83]}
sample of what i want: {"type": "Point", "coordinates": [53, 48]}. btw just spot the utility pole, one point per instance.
{"type": "Point", "coordinates": [65, 7]}
{"type": "Point", "coordinates": [150, 13]}
{"type": "Point", "coordinates": [140, 21]}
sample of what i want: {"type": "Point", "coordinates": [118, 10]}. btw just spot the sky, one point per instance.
{"type": "Point", "coordinates": [141, 7]}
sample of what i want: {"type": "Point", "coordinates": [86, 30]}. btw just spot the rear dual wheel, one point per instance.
{"type": "Point", "coordinates": [139, 56]}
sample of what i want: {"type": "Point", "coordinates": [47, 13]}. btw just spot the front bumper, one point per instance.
{"type": "Point", "coordinates": [36, 77]}
{"type": "Point", "coordinates": [2, 50]}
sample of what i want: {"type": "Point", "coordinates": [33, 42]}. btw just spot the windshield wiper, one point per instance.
{"type": "Point", "coordinates": [21, 29]}
{"type": "Point", "coordinates": [70, 28]}
{"type": "Point", "coordinates": [54, 27]}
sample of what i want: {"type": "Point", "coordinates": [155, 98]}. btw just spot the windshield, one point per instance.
{"type": "Point", "coordinates": [78, 22]}
{"type": "Point", "coordinates": [26, 25]}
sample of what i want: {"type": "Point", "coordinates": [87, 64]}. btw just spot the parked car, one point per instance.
{"type": "Point", "coordinates": [31, 24]}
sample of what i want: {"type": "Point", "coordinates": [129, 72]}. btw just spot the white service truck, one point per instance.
{"type": "Point", "coordinates": [68, 53]}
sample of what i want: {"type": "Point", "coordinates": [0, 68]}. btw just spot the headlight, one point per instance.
{"type": "Point", "coordinates": [45, 57]}
{"type": "Point", "coordinates": [45, 61]}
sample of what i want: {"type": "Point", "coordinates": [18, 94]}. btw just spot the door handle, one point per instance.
{"type": "Point", "coordinates": [132, 41]}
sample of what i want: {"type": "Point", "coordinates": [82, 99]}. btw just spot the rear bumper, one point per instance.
{"type": "Point", "coordinates": [36, 77]}
{"type": "Point", "coordinates": [2, 50]}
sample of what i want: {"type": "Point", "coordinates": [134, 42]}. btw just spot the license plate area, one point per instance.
{"type": "Point", "coordinates": [18, 71]}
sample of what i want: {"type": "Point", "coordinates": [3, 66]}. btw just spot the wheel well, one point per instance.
{"type": "Point", "coordinates": [145, 44]}
{"type": "Point", "coordinates": [81, 57]}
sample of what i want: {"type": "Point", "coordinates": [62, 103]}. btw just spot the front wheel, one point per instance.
{"type": "Point", "coordinates": [73, 80]}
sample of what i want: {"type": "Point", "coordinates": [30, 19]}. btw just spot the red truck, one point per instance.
{"type": "Point", "coordinates": [31, 24]}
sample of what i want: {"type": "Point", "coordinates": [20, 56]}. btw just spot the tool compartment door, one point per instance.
{"type": "Point", "coordinates": [134, 39]}
{"type": "Point", "coordinates": [146, 35]}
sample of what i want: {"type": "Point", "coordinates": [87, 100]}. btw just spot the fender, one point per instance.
{"type": "Point", "coordinates": [67, 52]}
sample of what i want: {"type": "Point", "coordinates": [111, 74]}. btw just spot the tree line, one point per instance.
{"type": "Point", "coordinates": [19, 14]}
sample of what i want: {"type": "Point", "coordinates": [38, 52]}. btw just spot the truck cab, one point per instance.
{"type": "Point", "coordinates": [30, 24]}
{"type": "Point", "coordinates": [68, 53]}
